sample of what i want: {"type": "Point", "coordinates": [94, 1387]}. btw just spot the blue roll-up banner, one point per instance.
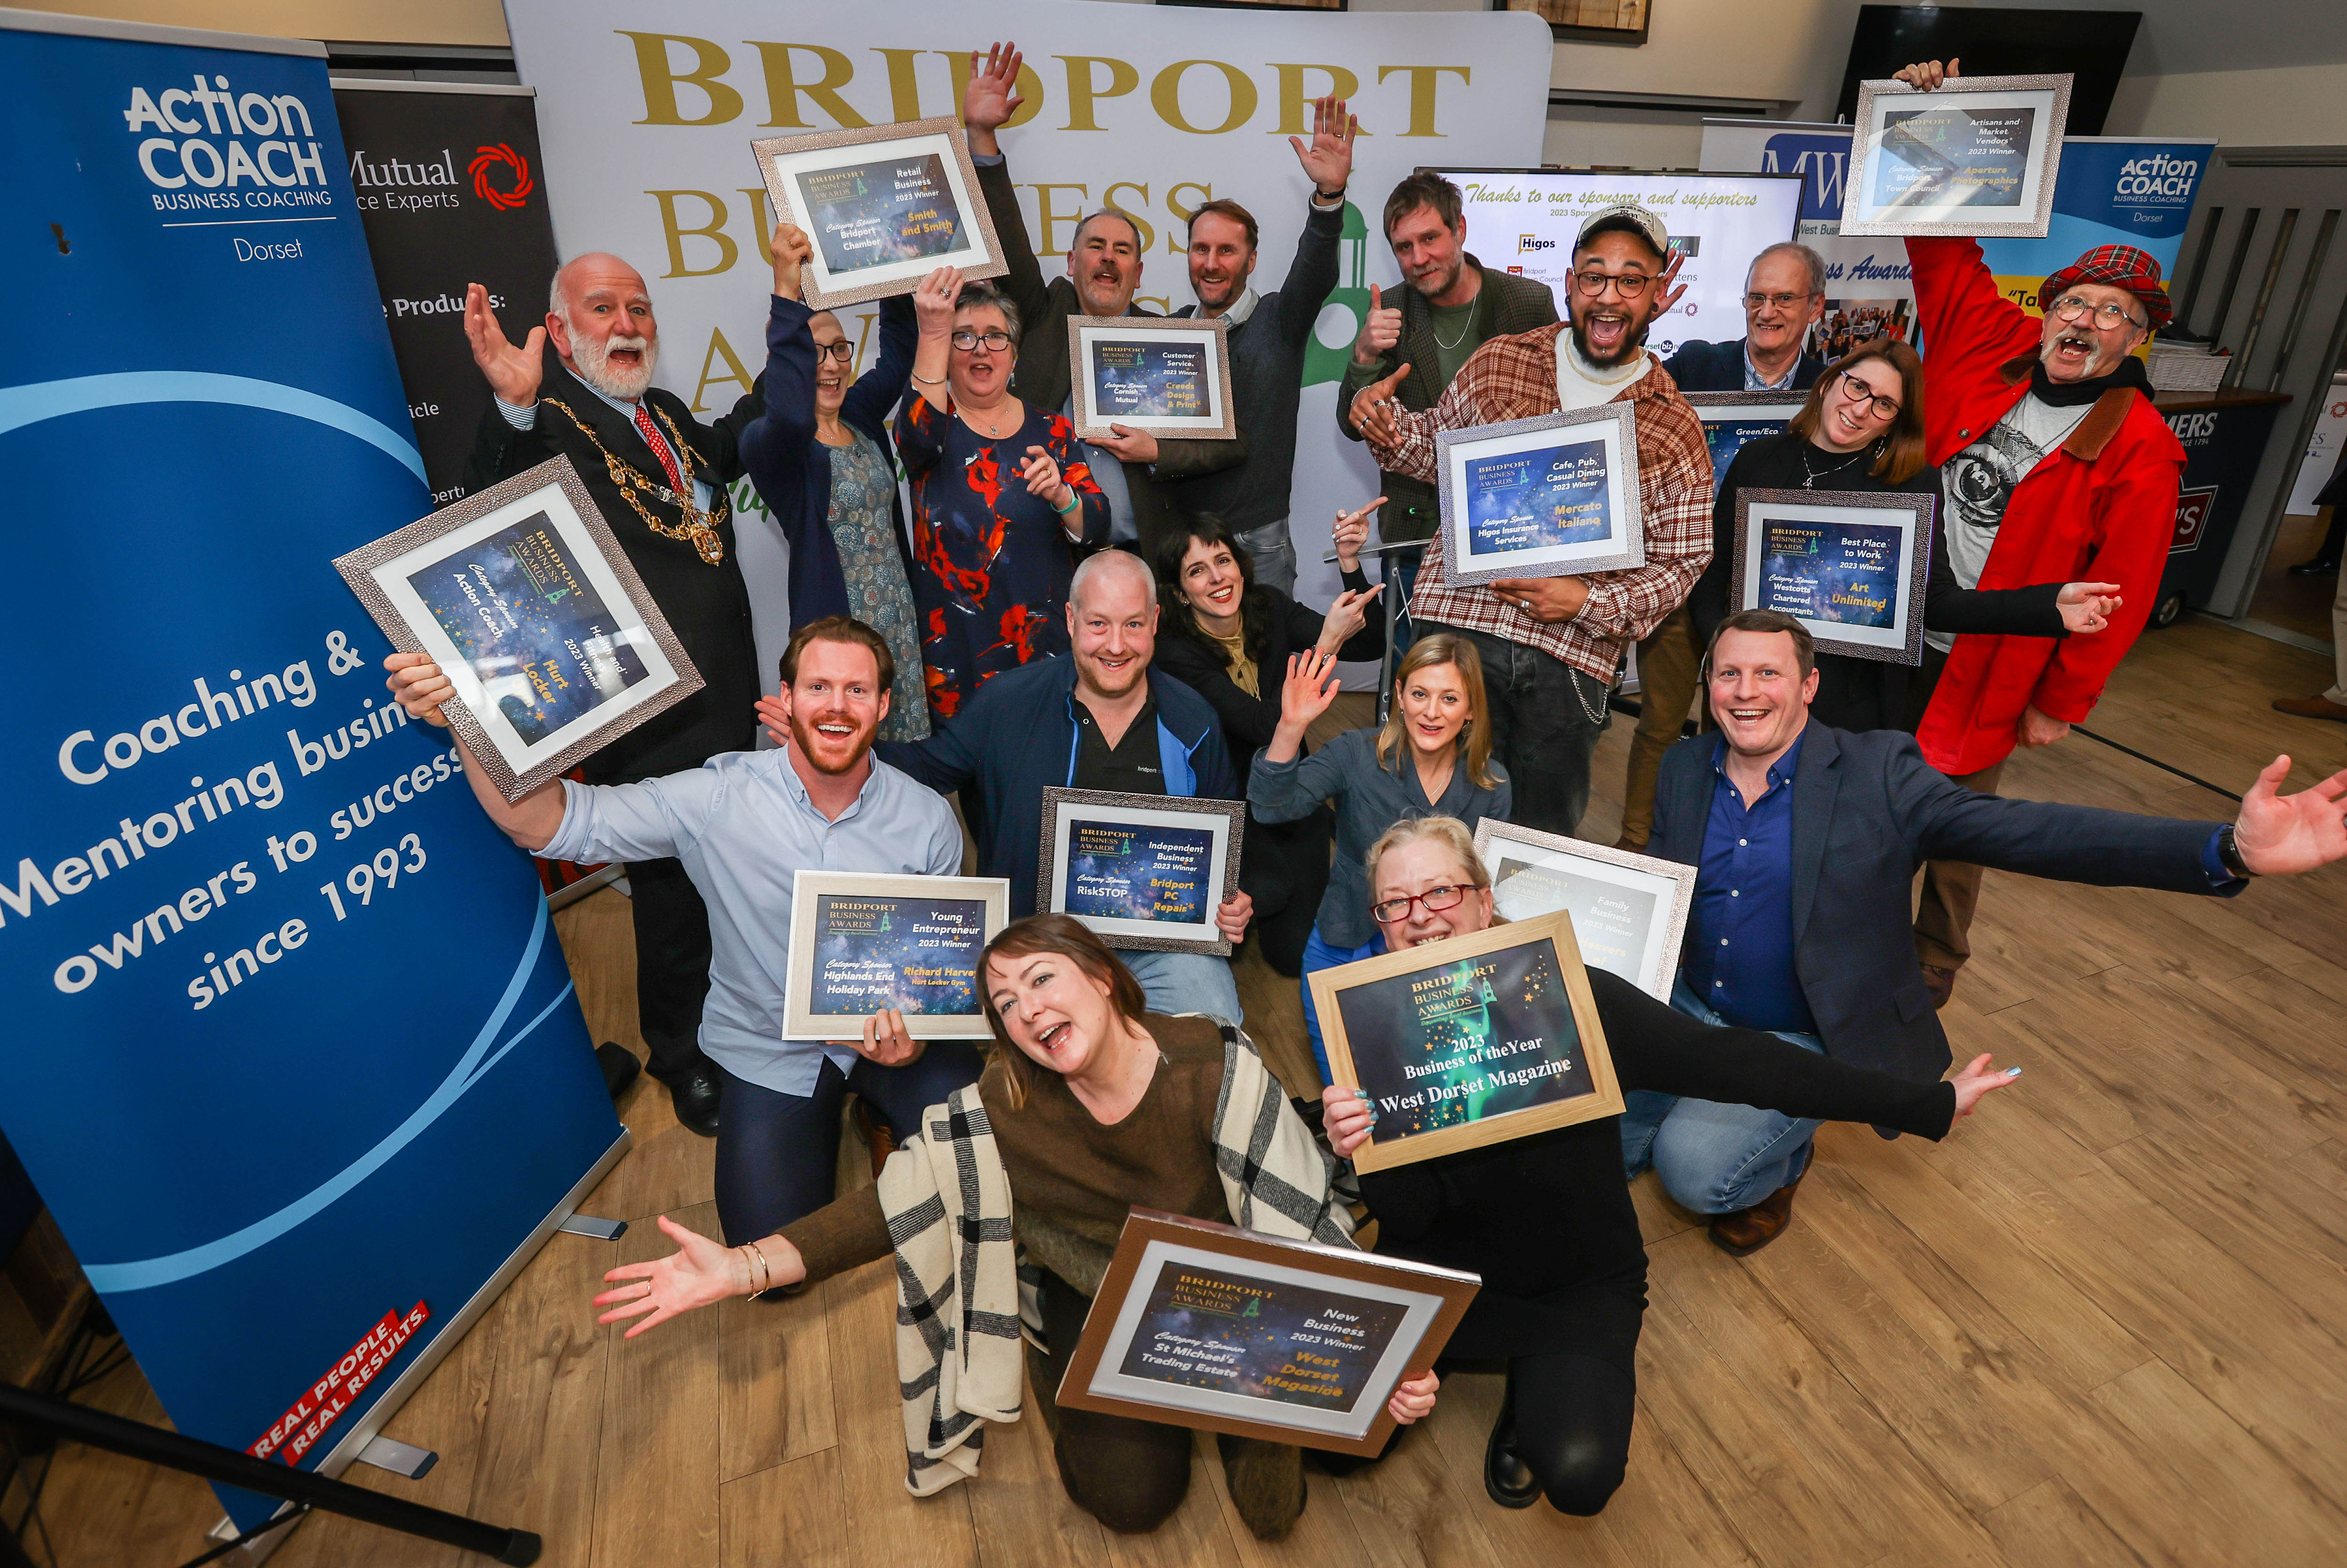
{"type": "Point", "coordinates": [293, 1056]}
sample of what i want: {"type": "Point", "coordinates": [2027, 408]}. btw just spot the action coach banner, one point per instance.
{"type": "Point", "coordinates": [649, 108]}
{"type": "Point", "coordinates": [291, 1044]}
{"type": "Point", "coordinates": [449, 192]}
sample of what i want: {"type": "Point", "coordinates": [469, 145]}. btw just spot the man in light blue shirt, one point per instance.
{"type": "Point", "coordinates": [743, 826]}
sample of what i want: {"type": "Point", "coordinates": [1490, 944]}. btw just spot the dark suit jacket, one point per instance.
{"type": "Point", "coordinates": [707, 606]}
{"type": "Point", "coordinates": [1505, 304]}
{"type": "Point", "coordinates": [1867, 811]}
{"type": "Point", "coordinates": [1700, 366]}
{"type": "Point", "coordinates": [1042, 378]}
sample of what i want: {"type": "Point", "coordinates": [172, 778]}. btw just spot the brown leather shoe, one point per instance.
{"type": "Point", "coordinates": [1941, 983]}
{"type": "Point", "coordinates": [2311, 708]}
{"type": "Point", "coordinates": [1747, 1231]}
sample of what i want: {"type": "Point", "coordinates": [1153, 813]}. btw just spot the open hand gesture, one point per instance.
{"type": "Point", "coordinates": [419, 686]}
{"type": "Point", "coordinates": [936, 301]}
{"type": "Point", "coordinates": [1667, 288]}
{"type": "Point", "coordinates": [1379, 332]}
{"type": "Point", "coordinates": [992, 95]}
{"type": "Point", "coordinates": [1373, 410]}
{"type": "Point", "coordinates": [1328, 160]}
{"type": "Point", "coordinates": [698, 1274]}
{"type": "Point", "coordinates": [2087, 607]}
{"type": "Point", "coordinates": [512, 373]}
{"type": "Point", "coordinates": [2279, 834]}
{"type": "Point", "coordinates": [1973, 1083]}
{"type": "Point", "coordinates": [791, 248]}
{"type": "Point", "coordinates": [1309, 689]}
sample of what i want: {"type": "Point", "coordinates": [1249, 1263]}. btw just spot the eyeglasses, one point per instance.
{"type": "Point", "coordinates": [1436, 899]}
{"type": "Point", "coordinates": [842, 350]}
{"type": "Point", "coordinates": [1855, 390]}
{"type": "Point", "coordinates": [997, 339]}
{"type": "Point", "coordinates": [1629, 285]}
{"type": "Point", "coordinates": [1782, 301]}
{"type": "Point", "coordinates": [2072, 309]}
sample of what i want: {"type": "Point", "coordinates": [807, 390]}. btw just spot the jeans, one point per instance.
{"type": "Point", "coordinates": [778, 1155]}
{"type": "Point", "coordinates": [1541, 730]}
{"type": "Point", "coordinates": [1712, 1158]}
{"type": "Point", "coordinates": [1273, 549]}
{"type": "Point", "coordinates": [1318, 954]}
{"type": "Point", "coordinates": [1186, 982]}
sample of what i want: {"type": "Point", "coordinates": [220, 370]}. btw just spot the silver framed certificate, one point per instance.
{"type": "Point", "coordinates": [1730, 419]}
{"type": "Point", "coordinates": [864, 943]}
{"type": "Point", "coordinates": [883, 206]}
{"type": "Point", "coordinates": [522, 597]}
{"type": "Point", "coordinates": [1849, 565]}
{"type": "Point", "coordinates": [1554, 496]}
{"type": "Point", "coordinates": [1145, 871]}
{"type": "Point", "coordinates": [1974, 157]}
{"type": "Point", "coordinates": [1629, 911]}
{"type": "Point", "coordinates": [1169, 375]}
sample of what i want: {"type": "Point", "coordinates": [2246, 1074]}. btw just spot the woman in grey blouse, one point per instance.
{"type": "Point", "coordinates": [1433, 758]}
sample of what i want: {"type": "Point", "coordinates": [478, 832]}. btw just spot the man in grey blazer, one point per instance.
{"type": "Point", "coordinates": [1807, 839]}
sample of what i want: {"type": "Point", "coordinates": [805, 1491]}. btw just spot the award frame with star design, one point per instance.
{"type": "Point", "coordinates": [1851, 566]}
{"type": "Point", "coordinates": [521, 594]}
{"type": "Point", "coordinates": [882, 207]}
{"type": "Point", "coordinates": [1468, 1041]}
{"type": "Point", "coordinates": [1553, 496]}
{"type": "Point", "coordinates": [1975, 158]}
{"type": "Point", "coordinates": [1225, 1330]}
{"type": "Point", "coordinates": [1145, 871]}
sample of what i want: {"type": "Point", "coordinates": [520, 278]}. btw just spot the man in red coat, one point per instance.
{"type": "Point", "coordinates": [2054, 466]}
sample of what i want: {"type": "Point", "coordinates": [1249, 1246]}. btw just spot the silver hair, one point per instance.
{"type": "Point", "coordinates": [558, 303]}
{"type": "Point", "coordinates": [1811, 263]}
{"type": "Point", "coordinates": [1112, 560]}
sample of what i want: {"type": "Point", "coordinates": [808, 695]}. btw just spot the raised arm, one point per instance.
{"type": "Point", "coordinates": [775, 445]}
{"type": "Point", "coordinates": [986, 105]}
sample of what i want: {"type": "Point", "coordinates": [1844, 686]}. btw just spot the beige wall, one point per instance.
{"type": "Point", "coordinates": [2291, 105]}
{"type": "Point", "coordinates": [480, 23]}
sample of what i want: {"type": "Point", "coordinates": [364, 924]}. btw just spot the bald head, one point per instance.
{"type": "Point", "coordinates": [1114, 576]}
{"type": "Point", "coordinates": [600, 319]}
{"type": "Point", "coordinates": [1111, 625]}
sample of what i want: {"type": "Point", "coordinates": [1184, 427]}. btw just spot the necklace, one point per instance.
{"type": "Point", "coordinates": [1463, 328]}
{"type": "Point", "coordinates": [699, 529]}
{"type": "Point", "coordinates": [970, 419]}
{"type": "Point", "coordinates": [1809, 476]}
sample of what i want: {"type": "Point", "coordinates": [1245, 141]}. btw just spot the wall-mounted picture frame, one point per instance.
{"type": "Point", "coordinates": [1587, 21]}
{"type": "Point", "coordinates": [1553, 496]}
{"type": "Point", "coordinates": [522, 595]}
{"type": "Point", "coordinates": [1629, 911]}
{"type": "Point", "coordinates": [1145, 871]}
{"type": "Point", "coordinates": [1169, 375]}
{"type": "Point", "coordinates": [883, 206]}
{"type": "Point", "coordinates": [1975, 158]}
{"type": "Point", "coordinates": [1468, 1041]}
{"type": "Point", "coordinates": [1849, 565]}
{"type": "Point", "coordinates": [861, 944]}
{"type": "Point", "coordinates": [1730, 419]}
{"type": "Point", "coordinates": [1225, 1330]}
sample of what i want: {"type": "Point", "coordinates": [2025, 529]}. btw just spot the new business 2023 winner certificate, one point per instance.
{"type": "Point", "coordinates": [863, 943]}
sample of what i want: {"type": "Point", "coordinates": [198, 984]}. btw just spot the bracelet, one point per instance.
{"type": "Point", "coordinates": [765, 1275]}
{"type": "Point", "coordinates": [1074, 501]}
{"type": "Point", "coordinates": [1336, 195]}
{"type": "Point", "coordinates": [928, 380]}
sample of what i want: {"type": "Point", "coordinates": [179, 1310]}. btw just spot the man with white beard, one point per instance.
{"type": "Point", "coordinates": [581, 385]}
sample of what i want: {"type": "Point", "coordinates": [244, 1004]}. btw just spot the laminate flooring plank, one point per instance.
{"type": "Point", "coordinates": [657, 1471]}
{"type": "Point", "coordinates": [2051, 1526]}
{"type": "Point", "coordinates": [1022, 1516]}
{"type": "Point", "coordinates": [892, 1525]}
{"type": "Point", "coordinates": [790, 1515]}
{"type": "Point", "coordinates": [775, 1392]}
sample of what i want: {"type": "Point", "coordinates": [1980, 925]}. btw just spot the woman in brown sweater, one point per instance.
{"type": "Point", "coordinates": [1096, 1108]}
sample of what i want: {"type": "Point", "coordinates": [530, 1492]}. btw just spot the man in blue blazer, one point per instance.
{"type": "Point", "coordinates": [1784, 296]}
{"type": "Point", "coordinates": [1807, 839]}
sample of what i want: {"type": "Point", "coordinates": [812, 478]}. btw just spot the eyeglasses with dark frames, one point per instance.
{"type": "Point", "coordinates": [1854, 388]}
{"type": "Point", "coordinates": [997, 339]}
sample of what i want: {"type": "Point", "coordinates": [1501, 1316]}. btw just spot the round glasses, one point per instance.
{"type": "Point", "coordinates": [1436, 899]}
{"type": "Point", "coordinates": [2072, 309]}
{"type": "Point", "coordinates": [998, 340]}
{"type": "Point", "coordinates": [1629, 285]}
{"type": "Point", "coordinates": [1856, 391]}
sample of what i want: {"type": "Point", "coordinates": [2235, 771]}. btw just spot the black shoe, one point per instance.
{"type": "Point", "coordinates": [695, 1093]}
{"type": "Point", "coordinates": [619, 1067]}
{"type": "Point", "coordinates": [1508, 1479]}
{"type": "Point", "coordinates": [2318, 566]}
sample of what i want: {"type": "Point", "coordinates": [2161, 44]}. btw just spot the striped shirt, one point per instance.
{"type": "Point", "coordinates": [1514, 377]}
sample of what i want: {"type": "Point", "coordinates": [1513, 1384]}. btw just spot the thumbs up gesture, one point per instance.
{"type": "Point", "coordinates": [1381, 333]}
{"type": "Point", "coordinates": [1373, 411]}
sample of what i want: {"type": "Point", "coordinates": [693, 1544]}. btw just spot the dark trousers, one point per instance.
{"type": "Point", "coordinates": [671, 964]}
{"type": "Point", "coordinates": [1543, 728]}
{"type": "Point", "coordinates": [778, 1155]}
{"type": "Point", "coordinates": [1285, 869]}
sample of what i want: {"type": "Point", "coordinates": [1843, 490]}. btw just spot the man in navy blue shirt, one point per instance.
{"type": "Point", "coordinates": [1806, 840]}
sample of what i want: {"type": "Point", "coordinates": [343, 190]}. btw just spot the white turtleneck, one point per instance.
{"type": "Point", "coordinates": [1580, 385]}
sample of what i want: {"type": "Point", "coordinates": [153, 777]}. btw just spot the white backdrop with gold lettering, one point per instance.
{"type": "Point", "coordinates": [646, 108]}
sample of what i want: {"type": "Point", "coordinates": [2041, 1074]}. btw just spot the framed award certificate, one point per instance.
{"type": "Point", "coordinates": [862, 944]}
{"type": "Point", "coordinates": [1976, 156]}
{"type": "Point", "coordinates": [1550, 496]}
{"type": "Point", "coordinates": [1629, 911]}
{"type": "Point", "coordinates": [1206, 1325]}
{"type": "Point", "coordinates": [882, 208]}
{"type": "Point", "coordinates": [1144, 871]}
{"type": "Point", "coordinates": [1849, 565]}
{"type": "Point", "coordinates": [1467, 1041]}
{"type": "Point", "coordinates": [525, 599]}
{"type": "Point", "coordinates": [1170, 376]}
{"type": "Point", "coordinates": [1732, 418]}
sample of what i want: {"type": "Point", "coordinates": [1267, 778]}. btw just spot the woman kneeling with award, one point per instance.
{"type": "Point", "coordinates": [1087, 1109]}
{"type": "Point", "coordinates": [1545, 1219]}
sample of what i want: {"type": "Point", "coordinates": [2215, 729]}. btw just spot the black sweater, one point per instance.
{"type": "Point", "coordinates": [1545, 1218]}
{"type": "Point", "coordinates": [1861, 693]}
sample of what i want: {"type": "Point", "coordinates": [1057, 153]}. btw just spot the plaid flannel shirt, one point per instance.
{"type": "Point", "coordinates": [1515, 378]}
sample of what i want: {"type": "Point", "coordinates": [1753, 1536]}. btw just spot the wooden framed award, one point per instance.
{"type": "Point", "coordinates": [1470, 1041]}
{"type": "Point", "coordinates": [1849, 565]}
{"type": "Point", "coordinates": [522, 595]}
{"type": "Point", "coordinates": [1974, 157]}
{"type": "Point", "coordinates": [1145, 871]}
{"type": "Point", "coordinates": [861, 944]}
{"type": "Point", "coordinates": [1207, 1326]}
{"type": "Point", "coordinates": [1552, 496]}
{"type": "Point", "coordinates": [1629, 911]}
{"type": "Point", "coordinates": [883, 206]}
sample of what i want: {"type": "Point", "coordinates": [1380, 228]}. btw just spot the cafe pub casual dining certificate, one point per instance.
{"type": "Point", "coordinates": [522, 597]}
{"type": "Point", "coordinates": [1551, 495]}
{"type": "Point", "coordinates": [1629, 911]}
{"type": "Point", "coordinates": [861, 944]}
{"type": "Point", "coordinates": [1470, 1041]}
{"type": "Point", "coordinates": [1849, 565]}
{"type": "Point", "coordinates": [1169, 375]}
{"type": "Point", "coordinates": [882, 207]}
{"type": "Point", "coordinates": [1207, 1326]}
{"type": "Point", "coordinates": [1144, 871]}
{"type": "Point", "coordinates": [1974, 157]}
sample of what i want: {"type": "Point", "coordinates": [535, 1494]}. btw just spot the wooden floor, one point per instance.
{"type": "Point", "coordinates": [2300, 604]}
{"type": "Point", "coordinates": [2104, 1323]}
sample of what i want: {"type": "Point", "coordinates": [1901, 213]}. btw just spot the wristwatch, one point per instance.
{"type": "Point", "coordinates": [2230, 853]}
